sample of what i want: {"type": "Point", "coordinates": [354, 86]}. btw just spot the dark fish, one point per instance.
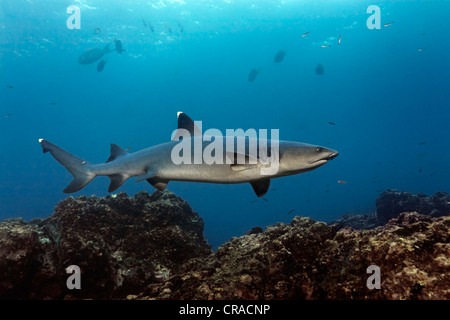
{"type": "Point", "coordinates": [150, 26]}
{"type": "Point", "coordinates": [53, 103]}
{"type": "Point", "coordinates": [8, 115]}
{"type": "Point", "coordinates": [252, 75]}
{"type": "Point", "coordinates": [144, 22]}
{"type": "Point", "coordinates": [169, 28]}
{"type": "Point", "coordinates": [118, 46]}
{"type": "Point", "coordinates": [420, 170]}
{"type": "Point", "coordinates": [422, 143]}
{"type": "Point", "coordinates": [291, 211]}
{"type": "Point", "coordinates": [181, 27]}
{"type": "Point", "coordinates": [101, 65]}
{"type": "Point", "coordinates": [332, 123]}
{"type": "Point", "coordinates": [10, 87]}
{"type": "Point", "coordinates": [265, 199]}
{"type": "Point", "coordinates": [279, 56]}
{"type": "Point", "coordinates": [93, 55]}
{"type": "Point", "coordinates": [97, 31]}
{"type": "Point", "coordinates": [319, 69]}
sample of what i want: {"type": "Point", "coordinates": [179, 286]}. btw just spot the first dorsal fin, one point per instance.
{"type": "Point", "coordinates": [186, 123]}
{"type": "Point", "coordinates": [116, 152]}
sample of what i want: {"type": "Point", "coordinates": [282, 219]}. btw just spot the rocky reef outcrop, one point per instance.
{"type": "Point", "coordinates": [392, 202]}
{"type": "Point", "coordinates": [120, 243]}
{"type": "Point", "coordinates": [152, 247]}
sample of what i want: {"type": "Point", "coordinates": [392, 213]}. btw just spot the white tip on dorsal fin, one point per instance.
{"type": "Point", "coordinates": [178, 114]}
{"type": "Point", "coordinates": [186, 123]}
{"type": "Point", "coordinates": [40, 140]}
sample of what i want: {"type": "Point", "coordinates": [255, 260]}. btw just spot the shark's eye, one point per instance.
{"type": "Point", "coordinates": [319, 149]}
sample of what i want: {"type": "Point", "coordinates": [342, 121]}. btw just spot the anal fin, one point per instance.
{"type": "Point", "coordinates": [116, 181]}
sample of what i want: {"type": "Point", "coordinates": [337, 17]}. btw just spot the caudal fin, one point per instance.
{"type": "Point", "coordinates": [79, 168]}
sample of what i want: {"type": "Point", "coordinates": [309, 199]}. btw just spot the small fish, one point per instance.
{"type": "Point", "coordinates": [319, 69]}
{"type": "Point", "coordinates": [422, 35]}
{"type": "Point", "coordinates": [421, 49]}
{"type": "Point", "coordinates": [339, 41]}
{"type": "Point", "coordinates": [388, 24]}
{"type": "Point", "coordinates": [422, 143]}
{"type": "Point", "coordinates": [341, 182]}
{"type": "Point", "coordinates": [144, 22]}
{"type": "Point", "coordinates": [53, 103]}
{"type": "Point", "coordinates": [253, 73]}
{"type": "Point", "coordinates": [325, 46]}
{"type": "Point", "coordinates": [279, 56]}
{"type": "Point", "coordinates": [332, 123]}
{"type": "Point", "coordinates": [180, 26]}
{"type": "Point", "coordinates": [97, 31]}
{"type": "Point", "coordinates": [10, 87]}
{"type": "Point", "coordinates": [291, 211]}
{"type": "Point", "coordinates": [150, 26]}
{"type": "Point", "coordinates": [305, 34]}
{"type": "Point", "coordinates": [265, 199]}
{"type": "Point", "coordinates": [420, 170]}
{"type": "Point", "coordinates": [8, 115]}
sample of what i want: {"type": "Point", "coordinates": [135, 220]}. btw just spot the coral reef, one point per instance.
{"type": "Point", "coordinates": [120, 243]}
{"type": "Point", "coordinates": [152, 247]}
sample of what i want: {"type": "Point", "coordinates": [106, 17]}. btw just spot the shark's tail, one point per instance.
{"type": "Point", "coordinates": [80, 169]}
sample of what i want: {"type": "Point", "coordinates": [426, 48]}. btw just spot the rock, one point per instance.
{"type": "Point", "coordinates": [152, 247]}
{"type": "Point", "coordinates": [358, 221]}
{"type": "Point", "coordinates": [121, 244]}
{"type": "Point", "coordinates": [392, 202]}
{"type": "Point", "coordinates": [310, 260]}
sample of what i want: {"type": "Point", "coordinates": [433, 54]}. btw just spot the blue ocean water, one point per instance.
{"type": "Point", "coordinates": [382, 100]}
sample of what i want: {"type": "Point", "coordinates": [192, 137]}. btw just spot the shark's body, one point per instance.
{"type": "Point", "coordinates": [155, 164]}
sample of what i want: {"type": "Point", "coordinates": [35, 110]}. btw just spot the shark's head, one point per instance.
{"type": "Point", "coordinates": [298, 157]}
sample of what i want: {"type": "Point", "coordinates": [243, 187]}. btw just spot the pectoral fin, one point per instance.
{"type": "Point", "coordinates": [260, 187]}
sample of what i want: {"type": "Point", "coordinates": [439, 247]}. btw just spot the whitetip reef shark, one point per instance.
{"type": "Point", "coordinates": [155, 164]}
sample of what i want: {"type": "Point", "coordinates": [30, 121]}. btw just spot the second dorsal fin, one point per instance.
{"type": "Point", "coordinates": [116, 152]}
{"type": "Point", "coordinates": [186, 123]}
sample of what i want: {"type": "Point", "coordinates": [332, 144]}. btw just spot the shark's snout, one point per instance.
{"type": "Point", "coordinates": [333, 155]}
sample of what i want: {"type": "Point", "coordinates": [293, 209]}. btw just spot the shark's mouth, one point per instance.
{"type": "Point", "coordinates": [322, 161]}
